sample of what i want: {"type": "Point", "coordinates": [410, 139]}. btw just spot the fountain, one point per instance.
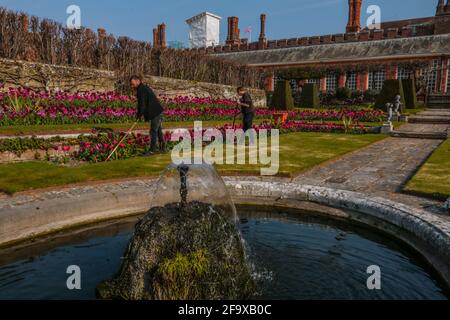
{"type": "Point", "coordinates": [188, 246]}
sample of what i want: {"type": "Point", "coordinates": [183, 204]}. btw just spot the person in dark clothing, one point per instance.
{"type": "Point", "coordinates": [247, 108]}
{"type": "Point", "coordinates": [149, 107]}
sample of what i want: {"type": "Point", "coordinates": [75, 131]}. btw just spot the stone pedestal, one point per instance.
{"type": "Point", "coordinates": [447, 205]}
{"type": "Point", "coordinates": [404, 118]}
{"type": "Point", "coordinates": [387, 127]}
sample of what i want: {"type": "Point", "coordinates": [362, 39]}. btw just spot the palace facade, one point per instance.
{"type": "Point", "coordinates": [360, 59]}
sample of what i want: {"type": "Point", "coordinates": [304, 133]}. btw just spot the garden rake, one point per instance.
{"type": "Point", "coordinates": [120, 142]}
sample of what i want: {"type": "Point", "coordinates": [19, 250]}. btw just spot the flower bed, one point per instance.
{"type": "Point", "coordinates": [26, 107]}
{"type": "Point", "coordinates": [97, 147]}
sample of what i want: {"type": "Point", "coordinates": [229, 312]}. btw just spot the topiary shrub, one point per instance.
{"type": "Point", "coordinates": [343, 93]}
{"type": "Point", "coordinates": [310, 96]}
{"type": "Point", "coordinates": [370, 95]}
{"type": "Point", "coordinates": [269, 96]}
{"type": "Point", "coordinates": [409, 90]}
{"type": "Point", "coordinates": [356, 94]}
{"type": "Point", "coordinates": [282, 98]}
{"type": "Point", "coordinates": [391, 88]}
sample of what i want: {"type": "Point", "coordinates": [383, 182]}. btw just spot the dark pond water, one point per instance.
{"type": "Point", "coordinates": [292, 257]}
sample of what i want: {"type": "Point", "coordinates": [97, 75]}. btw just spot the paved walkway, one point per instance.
{"type": "Point", "coordinates": [382, 168]}
{"type": "Point", "coordinates": [423, 128]}
{"type": "Point", "coordinates": [435, 113]}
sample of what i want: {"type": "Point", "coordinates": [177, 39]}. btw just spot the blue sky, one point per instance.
{"type": "Point", "coordinates": [285, 18]}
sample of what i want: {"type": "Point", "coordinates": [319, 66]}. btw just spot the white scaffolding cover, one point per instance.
{"type": "Point", "coordinates": [204, 30]}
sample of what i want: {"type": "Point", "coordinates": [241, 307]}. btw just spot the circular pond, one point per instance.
{"type": "Point", "coordinates": [293, 256]}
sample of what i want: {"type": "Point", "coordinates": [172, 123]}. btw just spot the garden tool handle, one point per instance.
{"type": "Point", "coordinates": [121, 140]}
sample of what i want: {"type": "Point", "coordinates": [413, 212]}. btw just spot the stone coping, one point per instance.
{"type": "Point", "coordinates": [28, 216]}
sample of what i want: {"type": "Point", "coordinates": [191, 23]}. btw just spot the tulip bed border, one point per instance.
{"type": "Point", "coordinates": [19, 106]}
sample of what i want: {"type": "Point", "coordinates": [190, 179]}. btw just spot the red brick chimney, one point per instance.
{"type": "Point", "coordinates": [262, 37]}
{"type": "Point", "coordinates": [440, 7]}
{"type": "Point", "coordinates": [155, 38]}
{"type": "Point", "coordinates": [442, 19]}
{"type": "Point", "coordinates": [159, 36]}
{"type": "Point", "coordinates": [25, 23]}
{"type": "Point", "coordinates": [447, 7]}
{"type": "Point", "coordinates": [101, 33]}
{"type": "Point", "coordinates": [162, 35]}
{"type": "Point", "coordinates": [354, 16]}
{"type": "Point", "coordinates": [233, 31]}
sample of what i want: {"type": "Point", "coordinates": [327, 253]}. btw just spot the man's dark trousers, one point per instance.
{"type": "Point", "coordinates": [156, 134]}
{"type": "Point", "coordinates": [248, 121]}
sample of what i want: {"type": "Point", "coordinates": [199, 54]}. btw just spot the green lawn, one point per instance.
{"type": "Point", "coordinates": [433, 179]}
{"type": "Point", "coordinates": [85, 128]}
{"type": "Point", "coordinates": [298, 152]}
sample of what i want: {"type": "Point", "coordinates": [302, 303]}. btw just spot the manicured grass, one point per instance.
{"type": "Point", "coordinates": [433, 179]}
{"type": "Point", "coordinates": [301, 151]}
{"type": "Point", "coordinates": [86, 128]}
{"type": "Point", "coordinates": [412, 112]}
{"type": "Point", "coordinates": [298, 152]}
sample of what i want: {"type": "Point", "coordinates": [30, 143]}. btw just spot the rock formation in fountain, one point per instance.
{"type": "Point", "coordinates": [185, 250]}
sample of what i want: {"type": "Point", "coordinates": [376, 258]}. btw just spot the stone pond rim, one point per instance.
{"type": "Point", "coordinates": [427, 233]}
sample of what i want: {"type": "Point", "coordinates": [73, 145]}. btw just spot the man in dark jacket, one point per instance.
{"type": "Point", "coordinates": [149, 107]}
{"type": "Point", "coordinates": [247, 109]}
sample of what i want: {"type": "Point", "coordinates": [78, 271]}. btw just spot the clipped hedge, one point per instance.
{"type": "Point", "coordinates": [391, 88]}
{"type": "Point", "coordinates": [409, 90]}
{"type": "Point", "coordinates": [282, 98]}
{"type": "Point", "coordinates": [310, 97]}
{"type": "Point", "coordinates": [343, 93]}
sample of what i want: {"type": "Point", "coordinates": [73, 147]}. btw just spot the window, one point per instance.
{"type": "Point", "coordinates": [351, 80]}
{"type": "Point", "coordinates": [404, 74]}
{"type": "Point", "coordinates": [316, 81]}
{"type": "Point", "coordinates": [376, 79]}
{"type": "Point", "coordinates": [294, 85]}
{"type": "Point", "coordinates": [432, 76]}
{"type": "Point", "coordinates": [448, 76]}
{"type": "Point", "coordinates": [332, 81]}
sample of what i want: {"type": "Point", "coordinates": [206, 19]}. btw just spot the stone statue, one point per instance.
{"type": "Point", "coordinates": [447, 205]}
{"type": "Point", "coordinates": [397, 105]}
{"type": "Point", "coordinates": [394, 109]}
{"type": "Point", "coordinates": [389, 107]}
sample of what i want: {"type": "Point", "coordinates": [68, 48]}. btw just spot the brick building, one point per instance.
{"type": "Point", "coordinates": [360, 59]}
